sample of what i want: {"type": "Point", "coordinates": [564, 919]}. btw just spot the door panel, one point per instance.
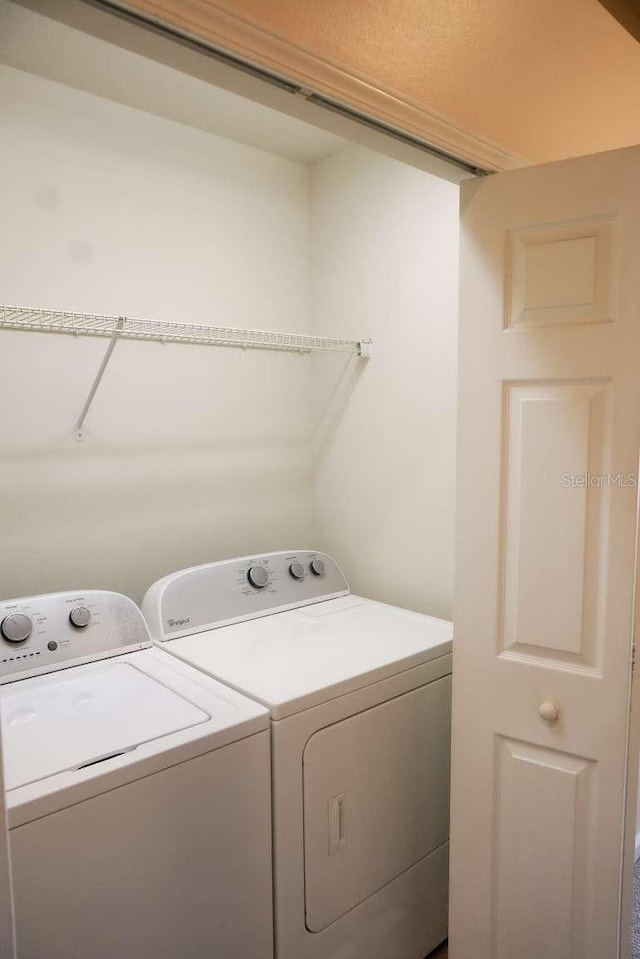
{"type": "Point", "coordinates": [560, 274]}
{"type": "Point", "coordinates": [551, 598]}
{"type": "Point", "coordinates": [549, 431]}
{"type": "Point", "coordinates": [542, 792]}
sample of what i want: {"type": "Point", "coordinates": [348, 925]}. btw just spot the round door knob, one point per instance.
{"type": "Point", "coordinates": [16, 628]}
{"type": "Point", "coordinates": [80, 617]}
{"type": "Point", "coordinates": [258, 577]}
{"type": "Point", "coordinates": [297, 570]}
{"type": "Point", "coordinates": [549, 712]}
{"type": "Point", "coordinates": [317, 567]}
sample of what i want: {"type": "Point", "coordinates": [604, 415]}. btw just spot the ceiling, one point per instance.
{"type": "Point", "coordinates": [48, 48]}
{"type": "Point", "coordinates": [546, 79]}
{"type": "Point", "coordinates": [539, 80]}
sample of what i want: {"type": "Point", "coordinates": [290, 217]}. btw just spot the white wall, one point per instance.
{"type": "Point", "coordinates": [191, 454]}
{"type": "Point", "coordinates": [385, 251]}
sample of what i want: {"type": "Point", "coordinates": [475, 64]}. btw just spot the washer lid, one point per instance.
{"type": "Point", "coordinates": [77, 717]}
{"type": "Point", "coordinates": [293, 660]}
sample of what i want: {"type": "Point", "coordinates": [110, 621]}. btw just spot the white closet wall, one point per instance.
{"type": "Point", "coordinates": [191, 453]}
{"type": "Point", "coordinates": [385, 254]}
{"type": "Point", "coordinates": [198, 453]}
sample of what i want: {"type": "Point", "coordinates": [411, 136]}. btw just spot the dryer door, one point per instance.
{"type": "Point", "coordinates": [376, 798]}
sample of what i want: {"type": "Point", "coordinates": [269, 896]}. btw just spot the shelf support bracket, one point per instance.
{"type": "Point", "coordinates": [79, 431]}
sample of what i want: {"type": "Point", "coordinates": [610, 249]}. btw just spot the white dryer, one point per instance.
{"type": "Point", "coordinates": [138, 791]}
{"type": "Point", "coordinates": [359, 695]}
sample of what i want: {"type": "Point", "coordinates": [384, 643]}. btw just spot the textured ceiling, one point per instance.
{"type": "Point", "coordinates": [545, 78]}
{"type": "Point", "coordinates": [534, 80]}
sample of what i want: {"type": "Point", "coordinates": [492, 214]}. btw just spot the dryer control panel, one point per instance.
{"type": "Point", "coordinates": [234, 590]}
{"type": "Point", "coordinates": [42, 633]}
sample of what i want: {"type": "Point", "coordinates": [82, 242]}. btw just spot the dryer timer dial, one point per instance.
{"type": "Point", "coordinates": [80, 617]}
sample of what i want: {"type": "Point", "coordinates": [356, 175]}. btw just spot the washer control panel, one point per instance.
{"type": "Point", "coordinates": [217, 594]}
{"type": "Point", "coordinates": [42, 633]}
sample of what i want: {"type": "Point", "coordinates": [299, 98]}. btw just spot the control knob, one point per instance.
{"type": "Point", "coordinates": [297, 570]}
{"type": "Point", "coordinates": [80, 617]}
{"type": "Point", "coordinates": [317, 567]}
{"type": "Point", "coordinates": [16, 628]}
{"type": "Point", "coordinates": [258, 577]}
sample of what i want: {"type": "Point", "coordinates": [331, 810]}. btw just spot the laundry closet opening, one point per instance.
{"type": "Point", "coordinates": [131, 187]}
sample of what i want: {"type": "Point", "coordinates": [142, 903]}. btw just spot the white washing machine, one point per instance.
{"type": "Point", "coordinates": [359, 695]}
{"type": "Point", "coordinates": [138, 791]}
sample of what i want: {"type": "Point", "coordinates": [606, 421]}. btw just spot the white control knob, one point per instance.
{"type": "Point", "coordinates": [297, 570]}
{"type": "Point", "coordinates": [258, 577]}
{"type": "Point", "coordinates": [16, 628]}
{"type": "Point", "coordinates": [549, 712]}
{"type": "Point", "coordinates": [317, 567]}
{"type": "Point", "coordinates": [80, 617]}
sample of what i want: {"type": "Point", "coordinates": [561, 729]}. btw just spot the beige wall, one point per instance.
{"type": "Point", "coordinates": [545, 79]}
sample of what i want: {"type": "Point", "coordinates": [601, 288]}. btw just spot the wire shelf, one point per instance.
{"type": "Point", "coordinates": [131, 328]}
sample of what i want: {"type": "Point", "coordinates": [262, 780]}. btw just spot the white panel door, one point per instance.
{"type": "Point", "coordinates": [549, 431]}
{"type": "Point", "coordinates": [7, 942]}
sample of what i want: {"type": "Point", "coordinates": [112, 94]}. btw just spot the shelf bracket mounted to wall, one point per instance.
{"type": "Point", "coordinates": [79, 433]}
{"type": "Point", "coordinates": [129, 328]}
